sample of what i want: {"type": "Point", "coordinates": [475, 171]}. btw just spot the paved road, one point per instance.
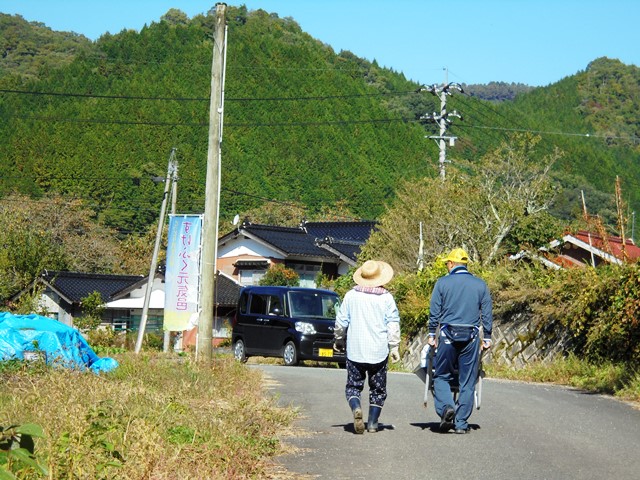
{"type": "Point", "coordinates": [523, 431]}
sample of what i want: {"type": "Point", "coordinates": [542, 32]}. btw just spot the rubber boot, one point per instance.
{"type": "Point", "coordinates": [374, 414]}
{"type": "Point", "coordinates": [358, 422]}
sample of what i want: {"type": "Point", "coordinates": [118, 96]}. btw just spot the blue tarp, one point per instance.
{"type": "Point", "coordinates": [58, 343]}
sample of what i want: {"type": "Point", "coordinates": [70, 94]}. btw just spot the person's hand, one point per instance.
{"type": "Point", "coordinates": [431, 340]}
{"type": "Point", "coordinates": [394, 354]}
{"type": "Point", "coordinates": [486, 344]}
{"type": "Point", "coordinates": [339, 345]}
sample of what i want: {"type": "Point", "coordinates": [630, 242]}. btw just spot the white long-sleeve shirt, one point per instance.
{"type": "Point", "coordinates": [372, 324]}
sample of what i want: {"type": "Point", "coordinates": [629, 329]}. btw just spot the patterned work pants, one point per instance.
{"type": "Point", "coordinates": [356, 374]}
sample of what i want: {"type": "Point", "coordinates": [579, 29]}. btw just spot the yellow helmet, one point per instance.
{"type": "Point", "coordinates": [457, 255]}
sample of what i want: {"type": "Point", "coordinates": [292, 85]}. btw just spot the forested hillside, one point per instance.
{"type": "Point", "coordinates": [303, 124]}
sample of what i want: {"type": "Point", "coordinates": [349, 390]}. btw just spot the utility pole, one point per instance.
{"type": "Point", "coordinates": [156, 249]}
{"type": "Point", "coordinates": [442, 119]}
{"type": "Point", "coordinates": [212, 188]}
{"type": "Point", "coordinates": [174, 199]}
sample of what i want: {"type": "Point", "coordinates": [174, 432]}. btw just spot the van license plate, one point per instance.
{"type": "Point", "coordinates": [325, 352]}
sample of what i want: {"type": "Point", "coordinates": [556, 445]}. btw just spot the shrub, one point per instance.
{"type": "Point", "coordinates": [278, 274]}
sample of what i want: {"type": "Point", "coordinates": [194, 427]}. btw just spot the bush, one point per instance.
{"type": "Point", "coordinates": [278, 274]}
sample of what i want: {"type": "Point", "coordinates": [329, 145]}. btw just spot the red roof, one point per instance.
{"type": "Point", "coordinates": [616, 247]}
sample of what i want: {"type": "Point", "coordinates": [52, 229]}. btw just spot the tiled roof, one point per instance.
{"type": "Point", "coordinates": [290, 240]}
{"type": "Point", "coordinates": [227, 291]}
{"type": "Point", "coordinates": [75, 286]}
{"type": "Point", "coordinates": [329, 240]}
{"type": "Point", "coordinates": [348, 249]}
{"type": "Point", "coordinates": [357, 231]}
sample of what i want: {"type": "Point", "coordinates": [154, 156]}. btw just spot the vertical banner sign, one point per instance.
{"type": "Point", "coordinates": [182, 276]}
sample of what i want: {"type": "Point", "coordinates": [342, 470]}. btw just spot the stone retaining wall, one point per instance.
{"type": "Point", "coordinates": [518, 339]}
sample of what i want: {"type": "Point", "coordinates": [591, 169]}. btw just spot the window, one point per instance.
{"type": "Point", "coordinates": [251, 277]}
{"type": "Point", "coordinates": [258, 305]}
{"type": "Point", "coordinates": [307, 273]}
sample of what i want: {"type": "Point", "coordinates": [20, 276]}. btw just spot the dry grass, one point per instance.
{"type": "Point", "coordinates": [155, 417]}
{"type": "Point", "coordinates": [613, 379]}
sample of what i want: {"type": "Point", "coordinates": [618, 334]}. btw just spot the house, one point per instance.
{"type": "Point", "coordinates": [330, 248]}
{"type": "Point", "coordinates": [584, 248]}
{"type": "Point", "coordinates": [244, 255]}
{"type": "Point", "coordinates": [124, 297]}
{"type": "Point", "coordinates": [63, 293]}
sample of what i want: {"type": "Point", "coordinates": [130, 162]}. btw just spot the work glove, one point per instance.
{"type": "Point", "coordinates": [340, 345]}
{"type": "Point", "coordinates": [394, 354]}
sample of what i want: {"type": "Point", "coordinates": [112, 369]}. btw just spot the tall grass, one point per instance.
{"type": "Point", "coordinates": [154, 417]}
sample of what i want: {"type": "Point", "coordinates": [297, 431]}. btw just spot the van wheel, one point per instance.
{"type": "Point", "coordinates": [239, 352]}
{"type": "Point", "coordinates": [290, 354]}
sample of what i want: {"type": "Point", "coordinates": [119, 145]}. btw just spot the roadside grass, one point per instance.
{"type": "Point", "coordinates": [156, 416]}
{"type": "Point", "coordinates": [619, 380]}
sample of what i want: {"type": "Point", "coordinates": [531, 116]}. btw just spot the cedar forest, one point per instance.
{"type": "Point", "coordinates": [88, 127]}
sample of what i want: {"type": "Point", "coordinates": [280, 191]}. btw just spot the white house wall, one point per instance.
{"type": "Point", "coordinates": [158, 284]}
{"type": "Point", "coordinates": [48, 304]}
{"type": "Point", "coordinates": [240, 247]}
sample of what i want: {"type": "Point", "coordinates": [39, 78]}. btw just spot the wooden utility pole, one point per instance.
{"type": "Point", "coordinates": [212, 188]}
{"type": "Point", "coordinates": [621, 220]}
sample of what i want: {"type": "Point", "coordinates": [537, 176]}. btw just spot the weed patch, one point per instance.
{"type": "Point", "coordinates": [156, 416]}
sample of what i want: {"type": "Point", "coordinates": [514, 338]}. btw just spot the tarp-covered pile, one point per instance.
{"type": "Point", "coordinates": [22, 336]}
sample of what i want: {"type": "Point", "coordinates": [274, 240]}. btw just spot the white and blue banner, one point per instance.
{"type": "Point", "coordinates": [182, 276]}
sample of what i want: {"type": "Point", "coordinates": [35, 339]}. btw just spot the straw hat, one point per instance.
{"type": "Point", "coordinates": [373, 273]}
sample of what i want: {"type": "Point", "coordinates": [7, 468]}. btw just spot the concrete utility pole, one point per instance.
{"type": "Point", "coordinates": [212, 189]}
{"type": "Point", "coordinates": [156, 249]}
{"type": "Point", "coordinates": [174, 198]}
{"type": "Point", "coordinates": [442, 119]}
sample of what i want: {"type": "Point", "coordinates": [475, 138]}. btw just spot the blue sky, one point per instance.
{"type": "Point", "coordinates": [536, 42]}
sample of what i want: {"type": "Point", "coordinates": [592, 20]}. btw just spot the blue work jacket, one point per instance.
{"type": "Point", "coordinates": [460, 298]}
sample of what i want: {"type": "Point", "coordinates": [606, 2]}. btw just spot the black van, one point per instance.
{"type": "Point", "coordinates": [290, 322]}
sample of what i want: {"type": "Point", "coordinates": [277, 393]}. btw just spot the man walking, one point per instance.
{"type": "Point", "coordinates": [460, 305]}
{"type": "Point", "coordinates": [369, 320]}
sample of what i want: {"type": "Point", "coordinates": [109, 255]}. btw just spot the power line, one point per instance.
{"type": "Point", "coordinates": [282, 124]}
{"type": "Point", "coordinates": [206, 99]}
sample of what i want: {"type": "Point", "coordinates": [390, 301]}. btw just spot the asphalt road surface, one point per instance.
{"type": "Point", "coordinates": [522, 431]}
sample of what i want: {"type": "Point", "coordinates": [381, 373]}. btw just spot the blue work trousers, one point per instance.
{"type": "Point", "coordinates": [465, 358]}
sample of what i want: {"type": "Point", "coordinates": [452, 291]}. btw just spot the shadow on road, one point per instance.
{"type": "Point", "coordinates": [435, 427]}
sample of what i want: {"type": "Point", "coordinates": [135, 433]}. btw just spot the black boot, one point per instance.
{"type": "Point", "coordinates": [374, 414]}
{"type": "Point", "coordinates": [358, 422]}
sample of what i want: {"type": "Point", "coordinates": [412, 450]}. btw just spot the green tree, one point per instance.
{"type": "Point", "coordinates": [92, 308]}
{"type": "Point", "coordinates": [476, 208]}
